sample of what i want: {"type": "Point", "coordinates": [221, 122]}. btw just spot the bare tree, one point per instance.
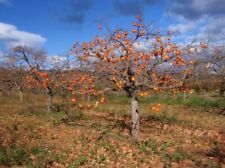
{"type": "Point", "coordinates": [14, 75]}
{"type": "Point", "coordinates": [216, 65]}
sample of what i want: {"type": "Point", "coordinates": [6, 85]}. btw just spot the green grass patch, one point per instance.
{"type": "Point", "coordinates": [13, 156]}
{"type": "Point", "coordinates": [148, 146]}
{"type": "Point", "coordinates": [79, 161]}
{"type": "Point", "coordinates": [166, 98]}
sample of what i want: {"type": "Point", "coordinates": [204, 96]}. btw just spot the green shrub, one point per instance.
{"type": "Point", "coordinates": [148, 146]}
{"type": "Point", "coordinates": [4, 159]}
{"type": "Point", "coordinates": [17, 155]}
{"type": "Point", "coordinates": [178, 156]}
{"type": "Point", "coordinates": [80, 161]}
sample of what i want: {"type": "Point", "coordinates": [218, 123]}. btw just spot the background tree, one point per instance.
{"type": "Point", "coordinates": [33, 62]}
{"type": "Point", "coordinates": [13, 75]}
{"type": "Point", "coordinates": [208, 72]}
{"type": "Point", "coordinates": [216, 65]}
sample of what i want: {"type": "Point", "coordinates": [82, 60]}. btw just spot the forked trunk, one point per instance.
{"type": "Point", "coordinates": [135, 118]}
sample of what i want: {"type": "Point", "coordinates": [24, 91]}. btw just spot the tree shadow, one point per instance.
{"type": "Point", "coordinates": [217, 152]}
{"type": "Point", "coordinates": [122, 123]}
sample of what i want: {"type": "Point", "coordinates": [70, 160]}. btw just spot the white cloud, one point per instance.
{"type": "Point", "coordinates": [214, 30]}
{"type": "Point", "coordinates": [61, 62]}
{"type": "Point", "coordinates": [195, 9]}
{"type": "Point", "coordinates": [57, 62]}
{"type": "Point", "coordinates": [201, 5]}
{"type": "Point", "coordinates": [4, 1]}
{"type": "Point", "coordinates": [199, 19]}
{"type": "Point", "coordinates": [11, 36]}
{"type": "Point", "coordinates": [182, 27]}
{"type": "Point", "coordinates": [144, 46]}
{"type": "Point", "coordinates": [1, 54]}
{"type": "Point", "coordinates": [56, 59]}
{"type": "Point", "coordinates": [208, 29]}
{"type": "Point", "coordinates": [141, 46]}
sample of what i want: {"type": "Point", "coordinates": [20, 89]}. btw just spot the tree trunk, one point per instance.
{"type": "Point", "coordinates": [50, 99]}
{"type": "Point", "coordinates": [135, 118]}
{"type": "Point", "coordinates": [21, 95]}
{"type": "Point", "coordinates": [222, 88]}
{"type": "Point", "coordinates": [184, 96]}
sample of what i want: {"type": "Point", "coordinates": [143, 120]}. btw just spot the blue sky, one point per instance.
{"type": "Point", "coordinates": [56, 24]}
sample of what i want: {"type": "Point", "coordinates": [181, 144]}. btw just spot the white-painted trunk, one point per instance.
{"type": "Point", "coordinates": [21, 95]}
{"type": "Point", "coordinates": [184, 96]}
{"type": "Point", "coordinates": [135, 118]}
{"type": "Point", "coordinates": [88, 98]}
{"type": "Point", "coordinates": [49, 105]}
{"type": "Point", "coordinates": [50, 99]}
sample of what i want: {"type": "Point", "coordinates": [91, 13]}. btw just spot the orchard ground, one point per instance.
{"type": "Point", "coordinates": [186, 132]}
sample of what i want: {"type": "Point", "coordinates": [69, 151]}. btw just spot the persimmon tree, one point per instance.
{"type": "Point", "coordinates": [33, 62]}
{"type": "Point", "coordinates": [57, 77]}
{"type": "Point", "coordinates": [15, 80]}
{"type": "Point", "coordinates": [14, 75]}
{"type": "Point", "coordinates": [8, 82]}
{"type": "Point", "coordinates": [119, 57]}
